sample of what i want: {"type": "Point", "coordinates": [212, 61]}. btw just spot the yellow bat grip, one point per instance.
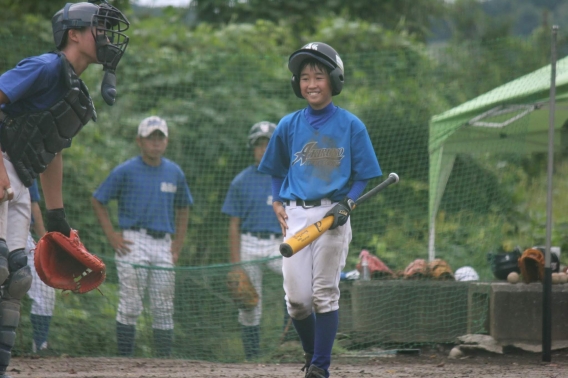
{"type": "Point", "coordinates": [304, 237]}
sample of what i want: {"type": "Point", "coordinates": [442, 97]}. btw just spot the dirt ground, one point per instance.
{"type": "Point", "coordinates": [428, 363]}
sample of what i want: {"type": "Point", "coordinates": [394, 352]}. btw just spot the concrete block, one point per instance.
{"type": "Point", "coordinates": [409, 311]}
{"type": "Point", "coordinates": [516, 313]}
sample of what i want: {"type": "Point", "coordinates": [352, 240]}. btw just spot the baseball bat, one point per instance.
{"type": "Point", "coordinates": [307, 235]}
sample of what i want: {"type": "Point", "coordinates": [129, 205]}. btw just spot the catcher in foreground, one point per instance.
{"type": "Point", "coordinates": [44, 104]}
{"type": "Point", "coordinates": [64, 263]}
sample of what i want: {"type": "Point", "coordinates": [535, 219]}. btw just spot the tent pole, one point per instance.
{"type": "Point", "coordinates": [432, 240]}
{"type": "Point", "coordinates": [547, 284]}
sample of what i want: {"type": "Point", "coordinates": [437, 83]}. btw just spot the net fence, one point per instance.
{"type": "Point", "coordinates": [493, 201]}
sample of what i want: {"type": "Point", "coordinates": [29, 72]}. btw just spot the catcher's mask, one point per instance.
{"type": "Point", "coordinates": [109, 25]}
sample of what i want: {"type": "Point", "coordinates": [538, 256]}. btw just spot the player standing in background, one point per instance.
{"type": "Point", "coordinates": [42, 296]}
{"type": "Point", "coordinates": [320, 159]}
{"type": "Point", "coordinates": [254, 231]}
{"type": "Point", "coordinates": [153, 205]}
{"type": "Point", "coordinates": [43, 105]}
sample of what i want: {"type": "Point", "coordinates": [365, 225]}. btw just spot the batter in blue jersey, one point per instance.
{"type": "Point", "coordinates": [254, 231]}
{"type": "Point", "coordinates": [153, 213]}
{"type": "Point", "coordinates": [320, 159]}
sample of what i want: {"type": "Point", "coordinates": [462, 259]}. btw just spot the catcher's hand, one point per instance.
{"type": "Point", "coordinates": [243, 293]}
{"type": "Point", "coordinates": [531, 264]}
{"type": "Point", "coordinates": [64, 263]}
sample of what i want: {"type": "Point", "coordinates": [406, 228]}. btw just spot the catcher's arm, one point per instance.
{"type": "Point", "coordinates": [52, 183]}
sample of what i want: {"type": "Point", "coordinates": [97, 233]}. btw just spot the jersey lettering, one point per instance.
{"type": "Point", "coordinates": [330, 157]}
{"type": "Point", "coordinates": [168, 187]}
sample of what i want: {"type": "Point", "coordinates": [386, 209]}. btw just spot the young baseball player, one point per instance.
{"type": "Point", "coordinates": [43, 105]}
{"type": "Point", "coordinates": [42, 296]}
{"type": "Point", "coordinates": [153, 213]}
{"type": "Point", "coordinates": [320, 159]}
{"type": "Point", "coordinates": [254, 231]}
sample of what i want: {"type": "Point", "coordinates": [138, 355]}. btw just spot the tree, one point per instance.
{"type": "Point", "coordinates": [413, 16]}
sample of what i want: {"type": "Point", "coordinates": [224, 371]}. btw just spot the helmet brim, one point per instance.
{"type": "Point", "coordinates": [296, 59]}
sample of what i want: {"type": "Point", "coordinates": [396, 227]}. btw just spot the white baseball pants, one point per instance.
{"type": "Point", "coordinates": [311, 276]}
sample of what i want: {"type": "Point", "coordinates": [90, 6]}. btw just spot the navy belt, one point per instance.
{"type": "Point", "coordinates": [152, 233]}
{"type": "Point", "coordinates": [264, 235]}
{"type": "Point", "coordinates": [308, 204]}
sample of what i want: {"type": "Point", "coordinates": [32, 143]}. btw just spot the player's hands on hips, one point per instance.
{"type": "Point", "coordinates": [341, 212]}
{"type": "Point", "coordinates": [120, 244]}
{"type": "Point", "coordinates": [280, 212]}
{"type": "Point", "coordinates": [56, 221]}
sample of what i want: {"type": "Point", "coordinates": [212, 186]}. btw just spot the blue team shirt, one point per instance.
{"type": "Point", "coordinates": [323, 162]}
{"type": "Point", "coordinates": [33, 85]}
{"type": "Point", "coordinates": [34, 192]}
{"type": "Point", "coordinates": [147, 196]}
{"type": "Point", "coordinates": [250, 199]}
{"type": "Point", "coordinates": [34, 197]}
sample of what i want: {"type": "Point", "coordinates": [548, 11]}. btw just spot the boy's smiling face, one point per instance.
{"type": "Point", "coordinates": [315, 86]}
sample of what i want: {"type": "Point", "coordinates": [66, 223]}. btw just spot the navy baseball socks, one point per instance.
{"type": "Point", "coordinates": [317, 333]}
{"type": "Point", "coordinates": [40, 330]}
{"type": "Point", "coordinates": [125, 335]}
{"type": "Point", "coordinates": [251, 341]}
{"type": "Point", "coordinates": [163, 339]}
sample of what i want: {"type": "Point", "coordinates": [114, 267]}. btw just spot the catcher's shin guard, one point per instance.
{"type": "Point", "coordinates": [4, 272]}
{"type": "Point", "coordinates": [20, 279]}
{"type": "Point", "coordinates": [163, 342]}
{"type": "Point", "coordinates": [9, 320]}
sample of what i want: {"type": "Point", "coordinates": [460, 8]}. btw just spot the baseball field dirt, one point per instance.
{"type": "Point", "coordinates": [429, 363]}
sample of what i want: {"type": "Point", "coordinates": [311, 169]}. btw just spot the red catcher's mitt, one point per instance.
{"type": "Point", "coordinates": [64, 263]}
{"type": "Point", "coordinates": [531, 264]}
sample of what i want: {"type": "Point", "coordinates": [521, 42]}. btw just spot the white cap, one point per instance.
{"type": "Point", "coordinates": [466, 273]}
{"type": "Point", "coordinates": [151, 124]}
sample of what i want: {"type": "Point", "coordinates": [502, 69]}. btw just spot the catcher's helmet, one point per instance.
{"type": "Point", "coordinates": [263, 129]}
{"type": "Point", "coordinates": [110, 25]}
{"type": "Point", "coordinates": [325, 54]}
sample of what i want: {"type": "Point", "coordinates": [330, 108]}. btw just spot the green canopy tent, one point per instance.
{"type": "Point", "coordinates": [513, 118]}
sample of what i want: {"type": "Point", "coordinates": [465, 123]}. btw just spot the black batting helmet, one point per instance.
{"type": "Point", "coordinates": [110, 23]}
{"type": "Point", "coordinates": [263, 129]}
{"type": "Point", "coordinates": [325, 54]}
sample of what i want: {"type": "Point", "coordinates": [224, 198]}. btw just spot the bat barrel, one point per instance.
{"type": "Point", "coordinates": [286, 250]}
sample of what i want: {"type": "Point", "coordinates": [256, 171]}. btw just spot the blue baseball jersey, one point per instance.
{"type": "Point", "coordinates": [147, 196]}
{"type": "Point", "coordinates": [34, 192]}
{"type": "Point", "coordinates": [320, 163]}
{"type": "Point", "coordinates": [250, 199]}
{"type": "Point", "coordinates": [34, 84]}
